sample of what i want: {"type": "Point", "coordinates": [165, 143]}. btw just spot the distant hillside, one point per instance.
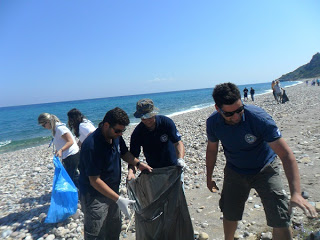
{"type": "Point", "coordinates": [309, 70]}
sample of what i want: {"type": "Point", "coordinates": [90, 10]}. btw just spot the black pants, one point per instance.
{"type": "Point", "coordinates": [102, 219]}
{"type": "Point", "coordinates": [71, 165]}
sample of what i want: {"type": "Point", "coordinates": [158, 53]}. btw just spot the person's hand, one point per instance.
{"type": "Point", "coordinates": [212, 186]}
{"type": "Point", "coordinates": [123, 204]}
{"type": "Point", "coordinates": [298, 201]}
{"type": "Point", "coordinates": [59, 153]}
{"type": "Point", "coordinates": [131, 175]}
{"type": "Point", "coordinates": [181, 163]}
{"type": "Point", "coordinates": [143, 166]}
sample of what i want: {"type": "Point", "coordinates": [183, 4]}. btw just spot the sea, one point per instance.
{"type": "Point", "coordinates": [19, 126]}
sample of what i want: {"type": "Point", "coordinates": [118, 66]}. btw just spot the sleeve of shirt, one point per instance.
{"type": "Point", "coordinates": [123, 146]}
{"type": "Point", "coordinates": [210, 131]}
{"type": "Point", "coordinates": [135, 145]}
{"type": "Point", "coordinates": [61, 130]}
{"type": "Point", "coordinates": [269, 129]}
{"type": "Point", "coordinates": [173, 133]}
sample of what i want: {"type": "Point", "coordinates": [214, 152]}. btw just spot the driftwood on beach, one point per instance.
{"type": "Point", "coordinates": [26, 175]}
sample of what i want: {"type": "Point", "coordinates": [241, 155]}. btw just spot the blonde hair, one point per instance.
{"type": "Point", "coordinates": [49, 118]}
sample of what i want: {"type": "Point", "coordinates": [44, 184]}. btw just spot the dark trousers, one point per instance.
{"type": "Point", "coordinates": [71, 165]}
{"type": "Point", "coordinates": [102, 219]}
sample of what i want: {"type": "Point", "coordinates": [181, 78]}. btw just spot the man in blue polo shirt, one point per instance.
{"type": "Point", "coordinates": [251, 141]}
{"type": "Point", "coordinates": [100, 175]}
{"type": "Point", "coordinates": [158, 136]}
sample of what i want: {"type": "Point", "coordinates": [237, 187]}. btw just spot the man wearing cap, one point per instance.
{"type": "Point", "coordinates": [100, 176]}
{"type": "Point", "coordinates": [158, 136]}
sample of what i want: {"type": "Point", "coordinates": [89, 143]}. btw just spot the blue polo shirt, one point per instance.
{"type": "Point", "coordinates": [245, 145]}
{"type": "Point", "coordinates": [158, 145]}
{"type": "Point", "coordinates": [99, 158]}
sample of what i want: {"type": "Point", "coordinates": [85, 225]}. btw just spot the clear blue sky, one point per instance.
{"type": "Point", "coordinates": [78, 49]}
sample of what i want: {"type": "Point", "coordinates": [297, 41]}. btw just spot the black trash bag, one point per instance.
{"type": "Point", "coordinates": [284, 97]}
{"type": "Point", "coordinates": [161, 211]}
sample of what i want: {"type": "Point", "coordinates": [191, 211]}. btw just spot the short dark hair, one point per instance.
{"type": "Point", "coordinates": [226, 93]}
{"type": "Point", "coordinates": [116, 116]}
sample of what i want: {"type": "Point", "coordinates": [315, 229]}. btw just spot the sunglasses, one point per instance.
{"type": "Point", "coordinates": [43, 124]}
{"type": "Point", "coordinates": [118, 130]}
{"type": "Point", "coordinates": [230, 114]}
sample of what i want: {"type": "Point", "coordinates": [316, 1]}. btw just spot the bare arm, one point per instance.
{"type": "Point", "coordinates": [69, 142]}
{"type": "Point", "coordinates": [211, 159]}
{"type": "Point", "coordinates": [179, 147]}
{"type": "Point", "coordinates": [97, 183]}
{"type": "Point", "coordinates": [290, 166]}
{"type": "Point", "coordinates": [129, 158]}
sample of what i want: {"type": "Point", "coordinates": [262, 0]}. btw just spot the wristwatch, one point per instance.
{"type": "Point", "coordinates": [138, 164]}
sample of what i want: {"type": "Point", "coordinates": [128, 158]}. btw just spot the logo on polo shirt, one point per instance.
{"type": "Point", "coordinates": [164, 138]}
{"type": "Point", "coordinates": [250, 138]}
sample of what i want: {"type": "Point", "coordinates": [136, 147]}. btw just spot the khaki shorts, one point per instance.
{"type": "Point", "coordinates": [267, 183]}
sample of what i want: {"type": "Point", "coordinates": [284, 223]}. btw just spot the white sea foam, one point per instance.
{"type": "Point", "coordinates": [193, 108]}
{"type": "Point", "coordinates": [5, 143]}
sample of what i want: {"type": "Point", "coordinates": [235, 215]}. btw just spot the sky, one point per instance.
{"type": "Point", "coordinates": [61, 50]}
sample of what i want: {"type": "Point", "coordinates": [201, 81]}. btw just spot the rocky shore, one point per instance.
{"type": "Point", "coordinates": [26, 177]}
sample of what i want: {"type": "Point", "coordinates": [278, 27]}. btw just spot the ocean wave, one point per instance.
{"type": "Point", "coordinates": [5, 143]}
{"type": "Point", "coordinates": [193, 108]}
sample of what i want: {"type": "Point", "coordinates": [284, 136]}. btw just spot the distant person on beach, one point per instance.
{"type": "Point", "coordinates": [273, 92]}
{"type": "Point", "coordinates": [252, 94]}
{"type": "Point", "coordinates": [251, 142]}
{"type": "Point", "coordinates": [245, 94]}
{"type": "Point", "coordinates": [278, 92]}
{"type": "Point", "coordinates": [158, 136]}
{"type": "Point", "coordinates": [80, 126]}
{"type": "Point", "coordinates": [307, 82]}
{"type": "Point", "coordinates": [100, 176]}
{"type": "Point", "coordinates": [318, 82]}
{"type": "Point", "coordinates": [64, 143]}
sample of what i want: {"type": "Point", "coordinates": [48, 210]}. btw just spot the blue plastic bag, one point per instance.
{"type": "Point", "coordinates": [64, 196]}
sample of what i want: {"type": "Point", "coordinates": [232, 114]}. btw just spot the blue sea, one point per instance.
{"type": "Point", "coordinates": [19, 126]}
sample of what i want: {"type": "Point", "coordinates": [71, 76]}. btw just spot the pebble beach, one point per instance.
{"type": "Point", "coordinates": [26, 177]}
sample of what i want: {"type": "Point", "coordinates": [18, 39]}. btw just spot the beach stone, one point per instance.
{"type": "Point", "coordinates": [14, 234]}
{"type": "Point", "coordinates": [196, 234]}
{"type": "Point", "coordinates": [204, 225]}
{"type": "Point", "coordinates": [305, 195]}
{"type": "Point", "coordinates": [76, 215]}
{"type": "Point", "coordinates": [6, 233]}
{"type": "Point", "coordinates": [50, 237]}
{"type": "Point", "coordinates": [266, 236]}
{"type": "Point", "coordinates": [305, 160]}
{"type": "Point", "coordinates": [317, 206]}
{"type": "Point", "coordinates": [237, 235]}
{"type": "Point", "coordinates": [123, 227]}
{"type": "Point", "coordinates": [203, 236]}
{"type": "Point", "coordinates": [123, 191]}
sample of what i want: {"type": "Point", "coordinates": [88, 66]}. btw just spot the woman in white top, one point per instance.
{"type": "Point", "coordinates": [64, 142]}
{"type": "Point", "coordinates": [80, 126]}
